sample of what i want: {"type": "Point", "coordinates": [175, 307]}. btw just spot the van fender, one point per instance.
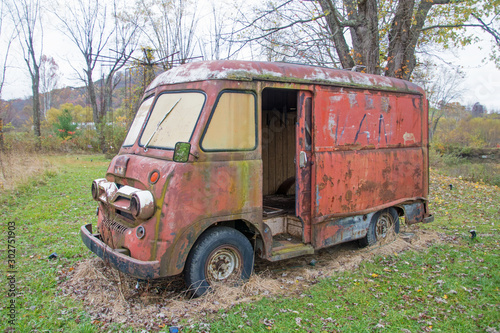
{"type": "Point", "coordinates": [176, 258]}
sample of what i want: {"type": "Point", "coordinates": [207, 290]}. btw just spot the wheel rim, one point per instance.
{"type": "Point", "coordinates": [223, 263]}
{"type": "Point", "coordinates": [384, 225]}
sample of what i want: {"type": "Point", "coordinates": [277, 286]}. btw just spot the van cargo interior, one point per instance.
{"type": "Point", "coordinates": [279, 116]}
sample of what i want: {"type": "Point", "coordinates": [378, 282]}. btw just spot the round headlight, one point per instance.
{"type": "Point", "coordinates": [142, 205]}
{"type": "Point", "coordinates": [134, 206]}
{"type": "Point", "coordinates": [95, 190]}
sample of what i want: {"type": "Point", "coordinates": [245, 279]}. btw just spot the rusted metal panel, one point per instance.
{"type": "Point", "coordinates": [335, 231]}
{"type": "Point", "coordinates": [368, 150]}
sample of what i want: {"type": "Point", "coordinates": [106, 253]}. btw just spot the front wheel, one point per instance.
{"type": "Point", "coordinates": [383, 225]}
{"type": "Point", "coordinates": [221, 254]}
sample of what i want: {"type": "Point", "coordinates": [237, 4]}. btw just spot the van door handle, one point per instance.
{"type": "Point", "coordinates": [302, 159]}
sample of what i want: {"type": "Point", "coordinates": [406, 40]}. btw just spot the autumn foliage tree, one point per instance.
{"type": "Point", "coordinates": [378, 36]}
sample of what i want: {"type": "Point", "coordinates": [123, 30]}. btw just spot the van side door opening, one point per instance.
{"type": "Point", "coordinates": [284, 202]}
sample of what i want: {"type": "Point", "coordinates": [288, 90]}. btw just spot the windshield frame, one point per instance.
{"type": "Point", "coordinates": [153, 105]}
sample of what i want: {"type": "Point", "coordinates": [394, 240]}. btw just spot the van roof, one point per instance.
{"type": "Point", "coordinates": [279, 72]}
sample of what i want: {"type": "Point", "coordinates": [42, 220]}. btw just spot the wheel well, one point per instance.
{"type": "Point", "coordinates": [400, 211]}
{"type": "Point", "coordinates": [245, 227]}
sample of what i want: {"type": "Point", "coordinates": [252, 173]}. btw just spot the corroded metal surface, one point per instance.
{"type": "Point", "coordinates": [369, 150]}
{"type": "Point", "coordinates": [278, 72]}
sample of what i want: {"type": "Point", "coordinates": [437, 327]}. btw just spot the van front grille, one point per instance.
{"type": "Point", "coordinates": [113, 225]}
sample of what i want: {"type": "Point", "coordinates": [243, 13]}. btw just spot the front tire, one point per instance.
{"type": "Point", "coordinates": [220, 255]}
{"type": "Point", "coordinates": [383, 224]}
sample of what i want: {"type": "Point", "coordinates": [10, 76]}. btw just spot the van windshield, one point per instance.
{"type": "Point", "coordinates": [183, 110]}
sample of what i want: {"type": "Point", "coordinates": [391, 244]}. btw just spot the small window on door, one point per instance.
{"type": "Point", "coordinates": [232, 125]}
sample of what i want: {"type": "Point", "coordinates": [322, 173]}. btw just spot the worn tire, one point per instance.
{"type": "Point", "coordinates": [381, 224]}
{"type": "Point", "coordinates": [221, 254]}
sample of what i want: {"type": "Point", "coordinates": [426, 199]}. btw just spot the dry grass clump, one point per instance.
{"type": "Point", "coordinates": [112, 297]}
{"type": "Point", "coordinates": [17, 168]}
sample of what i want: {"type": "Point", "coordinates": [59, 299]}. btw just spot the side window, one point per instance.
{"type": "Point", "coordinates": [232, 125]}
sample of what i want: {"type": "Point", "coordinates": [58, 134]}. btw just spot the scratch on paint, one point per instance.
{"type": "Point", "coordinates": [366, 132]}
{"type": "Point", "coordinates": [381, 121]}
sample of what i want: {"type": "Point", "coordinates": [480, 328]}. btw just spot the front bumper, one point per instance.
{"type": "Point", "coordinates": [126, 264]}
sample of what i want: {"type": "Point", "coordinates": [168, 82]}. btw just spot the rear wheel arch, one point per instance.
{"type": "Point", "coordinates": [382, 222]}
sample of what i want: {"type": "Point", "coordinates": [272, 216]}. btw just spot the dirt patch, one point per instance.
{"type": "Point", "coordinates": [112, 297]}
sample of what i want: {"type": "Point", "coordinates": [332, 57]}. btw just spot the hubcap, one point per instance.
{"type": "Point", "coordinates": [223, 263]}
{"type": "Point", "coordinates": [383, 226]}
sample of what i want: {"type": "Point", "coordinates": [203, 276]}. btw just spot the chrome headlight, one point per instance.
{"type": "Point", "coordinates": [96, 189]}
{"type": "Point", "coordinates": [142, 205]}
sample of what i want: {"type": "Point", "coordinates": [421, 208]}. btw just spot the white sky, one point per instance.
{"type": "Point", "coordinates": [482, 82]}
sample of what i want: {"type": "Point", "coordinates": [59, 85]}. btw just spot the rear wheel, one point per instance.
{"type": "Point", "coordinates": [383, 225]}
{"type": "Point", "coordinates": [221, 255]}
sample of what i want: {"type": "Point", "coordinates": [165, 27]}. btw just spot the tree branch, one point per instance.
{"type": "Point", "coordinates": [451, 26]}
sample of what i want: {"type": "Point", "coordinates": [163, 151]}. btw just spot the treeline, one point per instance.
{"type": "Point", "coordinates": [472, 127]}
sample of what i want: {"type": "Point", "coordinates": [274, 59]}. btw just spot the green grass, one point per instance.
{"type": "Point", "coordinates": [467, 168]}
{"type": "Point", "coordinates": [451, 287]}
{"type": "Point", "coordinates": [447, 289]}
{"type": "Point", "coordinates": [48, 213]}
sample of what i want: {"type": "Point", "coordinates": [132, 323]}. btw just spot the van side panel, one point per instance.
{"type": "Point", "coordinates": [369, 151]}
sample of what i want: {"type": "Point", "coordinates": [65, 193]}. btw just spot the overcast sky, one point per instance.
{"type": "Point", "coordinates": [482, 81]}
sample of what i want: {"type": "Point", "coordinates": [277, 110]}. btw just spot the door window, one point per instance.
{"type": "Point", "coordinates": [232, 125]}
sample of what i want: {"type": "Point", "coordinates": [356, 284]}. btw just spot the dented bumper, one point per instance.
{"type": "Point", "coordinates": [126, 264]}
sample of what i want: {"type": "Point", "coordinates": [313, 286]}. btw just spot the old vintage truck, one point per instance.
{"type": "Point", "coordinates": [226, 160]}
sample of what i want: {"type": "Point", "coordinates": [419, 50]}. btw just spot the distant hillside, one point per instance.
{"type": "Point", "coordinates": [18, 111]}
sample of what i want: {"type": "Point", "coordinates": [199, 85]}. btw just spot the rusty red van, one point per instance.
{"type": "Point", "coordinates": [227, 160]}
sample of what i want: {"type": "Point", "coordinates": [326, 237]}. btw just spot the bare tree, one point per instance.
{"type": "Point", "coordinates": [493, 28]}
{"type": "Point", "coordinates": [170, 29]}
{"type": "Point", "coordinates": [26, 16]}
{"type": "Point", "coordinates": [49, 78]}
{"type": "Point", "coordinates": [87, 24]}
{"type": "Point", "coordinates": [6, 38]}
{"type": "Point", "coordinates": [442, 86]}
{"type": "Point", "coordinates": [216, 40]}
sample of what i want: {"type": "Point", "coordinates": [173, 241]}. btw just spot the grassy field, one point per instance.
{"type": "Point", "coordinates": [47, 213]}
{"type": "Point", "coordinates": [453, 286]}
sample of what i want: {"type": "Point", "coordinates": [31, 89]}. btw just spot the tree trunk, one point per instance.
{"type": "Point", "coordinates": [35, 86]}
{"type": "Point", "coordinates": [337, 34]}
{"type": "Point", "coordinates": [400, 62]}
{"type": "Point", "coordinates": [96, 112]}
{"type": "Point", "coordinates": [365, 35]}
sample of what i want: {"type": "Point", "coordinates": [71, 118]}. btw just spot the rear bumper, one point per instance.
{"type": "Point", "coordinates": [138, 268]}
{"type": "Point", "coordinates": [428, 219]}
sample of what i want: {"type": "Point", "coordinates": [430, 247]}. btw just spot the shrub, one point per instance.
{"type": "Point", "coordinates": [64, 127]}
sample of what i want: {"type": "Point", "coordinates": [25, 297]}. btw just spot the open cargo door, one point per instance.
{"type": "Point", "coordinates": [303, 159]}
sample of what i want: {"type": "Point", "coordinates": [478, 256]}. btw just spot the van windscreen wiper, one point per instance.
{"type": "Point", "coordinates": [159, 124]}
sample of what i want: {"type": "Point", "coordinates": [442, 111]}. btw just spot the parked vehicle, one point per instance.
{"type": "Point", "coordinates": [230, 159]}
